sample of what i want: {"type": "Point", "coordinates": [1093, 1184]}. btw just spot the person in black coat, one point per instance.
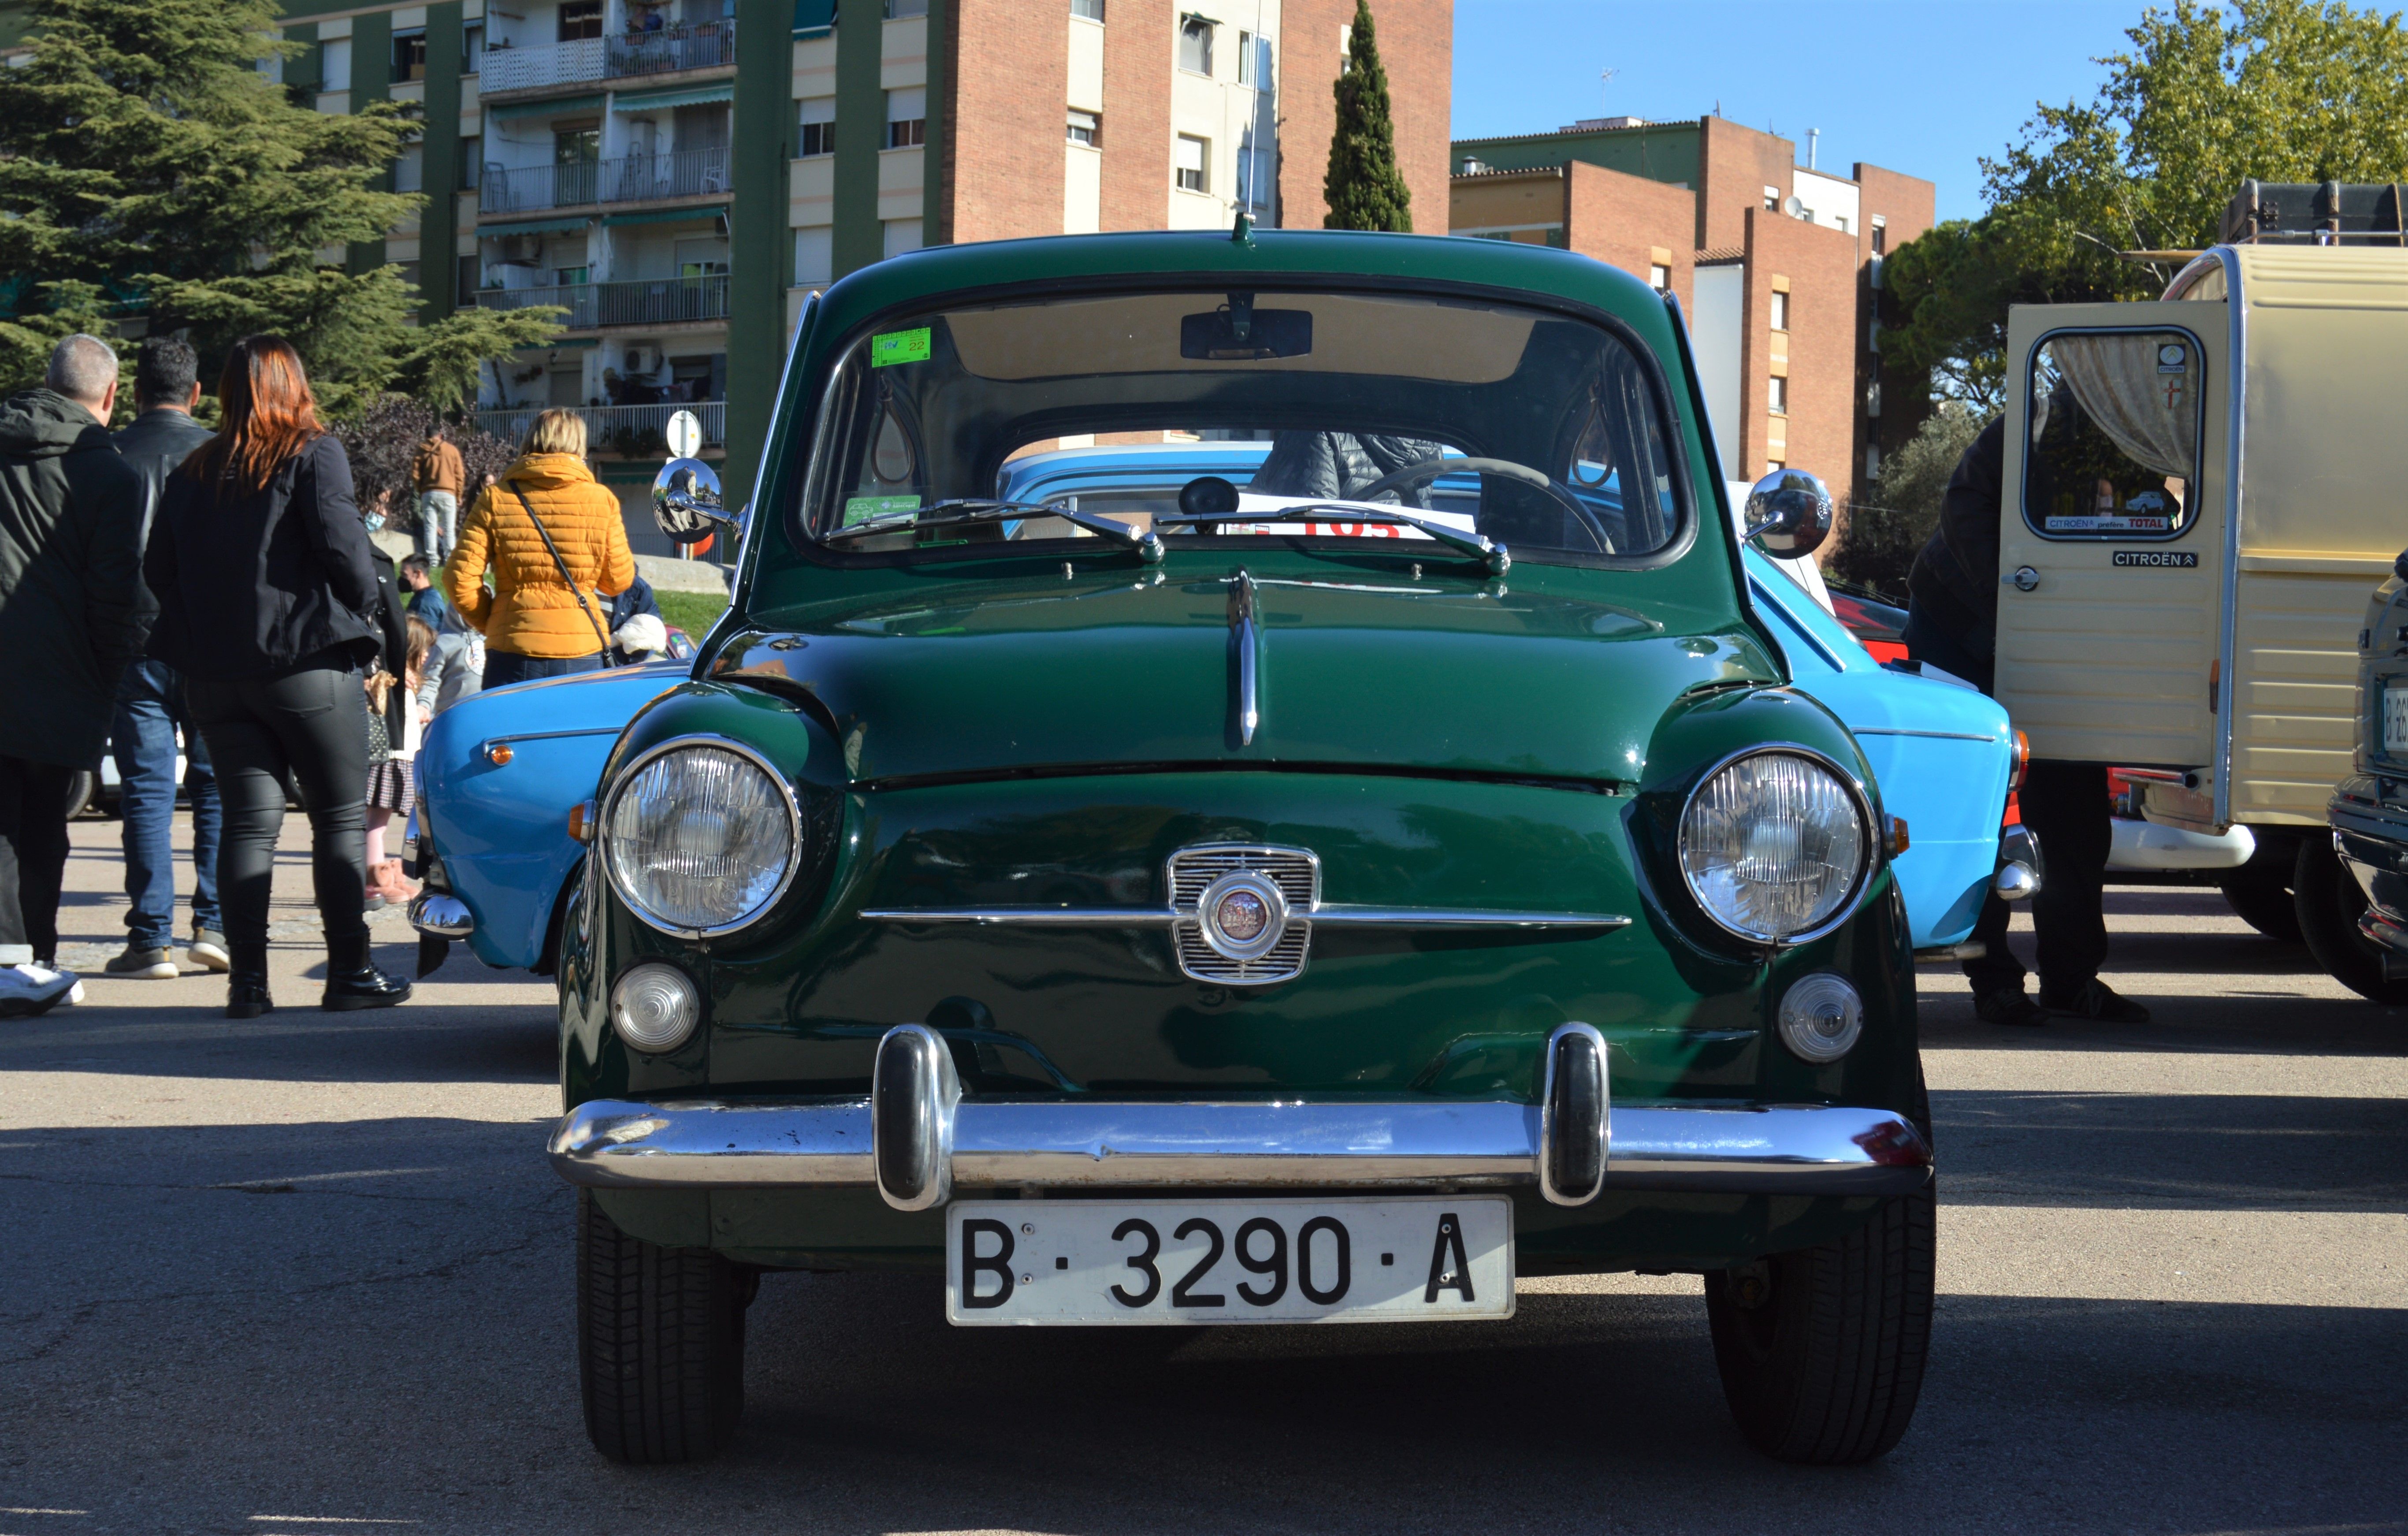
{"type": "Point", "coordinates": [270, 608]}
{"type": "Point", "coordinates": [71, 617]}
{"type": "Point", "coordinates": [1952, 622]}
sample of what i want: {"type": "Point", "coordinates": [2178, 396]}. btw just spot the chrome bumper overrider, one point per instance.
{"type": "Point", "coordinates": [440, 916]}
{"type": "Point", "coordinates": [925, 1149]}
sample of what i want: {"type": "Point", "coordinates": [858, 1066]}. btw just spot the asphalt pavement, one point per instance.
{"type": "Point", "coordinates": [310, 1274]}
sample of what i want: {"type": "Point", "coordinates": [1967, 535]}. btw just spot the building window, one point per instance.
{"type": "Point", "coordinates": [335, 72]}
{"type": "Point", "coordinates": [897, 10]}
{"type": "Point", "coordinates": [580, 20]}
{"type": "Point", "coordinates": [1774, 466]}
{"type": "Point", "coordinates": [1773, 199]}
{"type": "Point", "coordinates": [902, 234]}
{"type": "Point", "coordinates": [814, 257]}
{"type": "Point", "coordinates": [412, 273]}
{"type": "Point", "coordinates": [819, 126]}
{"type": "Point", "coordinates": [410, 55]}
{"type": "Point", "coordinates": [1195, 45]}
{"type": "Point", "coordinates": [1873, 398]}
{"type": "Point", "coordinates": [1659, 278]}
{"type": "Point", "coordinates": [409, 171]}
{"type": "Point", "coordinates": [1092, 10]}
{"type": "Point", "coordinates": [1245, 58]}
{"type": "Point", "coordinates": [1194, 155]}
{"type": "Point", "coordinates": [472, 276]}
{"type": "Point", "coordinates": [472, 42]}
{"type": "Point", "coordinates": [1779, 397]}
{"type": "Point", "coordinates": [1780, 311]}
{"type": "Point", "coordinates": [1872, 460]}
{"type": "Point", "coordinates": [1085, 129]}
{"type": "Point", "coordinates": [1881, 237]}
{"type": "Point", "coordinates": [472, 162]}
{"type": "Point", "coordinates": [907, 117]}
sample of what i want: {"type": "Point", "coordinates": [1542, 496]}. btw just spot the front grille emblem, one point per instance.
{"type": "Point", "coordinates": [1242, 913]}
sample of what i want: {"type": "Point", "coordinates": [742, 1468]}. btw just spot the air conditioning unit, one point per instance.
{"type": "Point", "coordinates": [643, 360]}
{"type": "Point", "coordinates": [522, 250]}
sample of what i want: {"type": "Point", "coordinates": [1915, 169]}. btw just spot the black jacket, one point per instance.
{"type": "Point", "coordinates": [71, 608]}
{"type": "Point", "coordinates": [250, 583]}
{"type": "Point", "coordinates": [1955, 580]}
{"type": "Point", "coordinates": [393, 645]}
{"type": "Point", "coordinates": [153, 446]}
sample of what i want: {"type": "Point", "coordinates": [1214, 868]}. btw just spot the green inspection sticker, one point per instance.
{"type": "Point", "coordinates": [862, 508]}
{"type": "Point", "coordinates": [899, 347]}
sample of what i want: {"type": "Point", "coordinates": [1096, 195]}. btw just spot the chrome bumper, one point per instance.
{"type": "Point", "coordinates": [1085, 1144]}
{"type": "Point", "coordinates": [440, 916]}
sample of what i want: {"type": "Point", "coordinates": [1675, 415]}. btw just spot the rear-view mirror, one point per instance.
{"type": "Point", "coordinates": [1241, 332]}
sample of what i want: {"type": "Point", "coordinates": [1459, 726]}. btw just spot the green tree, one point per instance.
{"type": "Point", "coordinates": [1364, 189]}
{"type": "Point", "coordinates": [1892, 523]}
{"type": "Point", "coordinates": [2207, 96]}
{"type": "Point", "coordinates": [150, 170]}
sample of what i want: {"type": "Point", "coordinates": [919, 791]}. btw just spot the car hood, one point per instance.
{"type": "Point", "coordinates": [1440, 676]}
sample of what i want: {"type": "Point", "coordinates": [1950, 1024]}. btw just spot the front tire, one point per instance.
{"type": "Point", "coordinates": [660, 1344]}
{"type": "Point", "coordinates": [2329, 904]}
{"type": "Point", "coordinates": [2259, 893]}
{"type": "Point", "coordinates": [1822, 1350]}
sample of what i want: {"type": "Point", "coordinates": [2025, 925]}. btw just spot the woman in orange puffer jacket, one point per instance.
{"type": "Point", "coordinates": [532, 620]}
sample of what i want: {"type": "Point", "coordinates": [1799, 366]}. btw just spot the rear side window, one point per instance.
{"type": "Point", "coordinates": [2112, 446]}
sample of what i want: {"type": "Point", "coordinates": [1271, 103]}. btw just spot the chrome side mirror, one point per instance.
{"type": "Point", "coordinates": [1788, 514]}
{"type": "Point", "coordinates": [687, 505]}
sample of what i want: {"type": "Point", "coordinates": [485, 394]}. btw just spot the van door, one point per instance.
{"type": "Point", "coordinates": [2112, 561]}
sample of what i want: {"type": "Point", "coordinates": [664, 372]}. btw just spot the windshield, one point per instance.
{"type": "Point", "coordinates": [1265, 415]}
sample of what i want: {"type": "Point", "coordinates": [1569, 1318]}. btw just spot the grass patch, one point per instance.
{"type": "Point", "coordinates": [693, 612]}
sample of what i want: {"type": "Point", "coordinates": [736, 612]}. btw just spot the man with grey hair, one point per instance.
{"type": "Point", "coordinates": [71, 616]}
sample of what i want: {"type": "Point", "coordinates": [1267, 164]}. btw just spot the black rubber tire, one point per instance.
{"type": "Point", "coordinates": [82, 786]}
{"type": "Point", "coordinates": [1827, 1367]}
{"type": "Point", "coordinates": [2329, 904]}
{"type": "Point", "coordinates": [2259, 893]}
{"type": "Point", "coordinates": [660, 1344]}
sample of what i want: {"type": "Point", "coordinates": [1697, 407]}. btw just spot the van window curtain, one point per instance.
{"type": "Point", "coordinates": [2116, 382]}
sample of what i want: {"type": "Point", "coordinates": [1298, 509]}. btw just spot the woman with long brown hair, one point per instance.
{"type": "Point", "coordinates": [268, 607]}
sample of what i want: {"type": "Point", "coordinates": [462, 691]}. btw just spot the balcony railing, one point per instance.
{"type": "Point", "coordinates": [702, 47]}
{"type": "Point", "coordinates": [629, 179]}
{"type": "Point", "coordinates": [626, 56]}
{"type": "Point", "coordinates": [632, 431]}
{"type": "Point", "coordinates": [652, 301]}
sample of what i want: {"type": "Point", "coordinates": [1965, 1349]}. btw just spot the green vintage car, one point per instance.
{"type": "Point", "coordinates": [1323, 900]}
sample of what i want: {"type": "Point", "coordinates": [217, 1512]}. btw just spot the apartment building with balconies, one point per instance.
{"type": "Point", "coordinates": [678, 175]}
{"type": "Point", "coordinates": [1777, 265]}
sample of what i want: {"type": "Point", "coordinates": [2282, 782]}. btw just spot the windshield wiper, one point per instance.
{"type": "Point", "coordinates": [966, 509]}
{"type": "Point", "coordinates": [1478, 546]}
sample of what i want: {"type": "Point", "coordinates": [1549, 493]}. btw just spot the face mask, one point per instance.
{"type": "Point", "coordinates": [375, 521]}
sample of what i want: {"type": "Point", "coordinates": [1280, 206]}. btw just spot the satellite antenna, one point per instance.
{"type": "Point", "coordinates": [1604, 80]}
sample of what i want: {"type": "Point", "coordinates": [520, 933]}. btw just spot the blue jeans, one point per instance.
{"type": "Point", "coordinates": [150, 707]}
{"type": "Point", "coordinates": [504, 667]}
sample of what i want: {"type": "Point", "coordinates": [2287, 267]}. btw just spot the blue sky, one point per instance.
{"type": "Point", "coordinates": [1926, 87]}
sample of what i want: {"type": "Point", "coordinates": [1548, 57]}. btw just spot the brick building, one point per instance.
{"type": "Point", "coordinates": [678, 173]}
{"type": "Point", "coordinates": [1777, 267]}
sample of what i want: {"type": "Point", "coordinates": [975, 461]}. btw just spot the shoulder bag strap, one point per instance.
{"type": "Point", "coordinates": [575, 591]}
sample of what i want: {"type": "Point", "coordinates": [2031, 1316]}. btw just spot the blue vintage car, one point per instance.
{"type": "Point", "coordinates": [502, 770]}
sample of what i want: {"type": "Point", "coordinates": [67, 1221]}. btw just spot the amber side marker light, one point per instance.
{"type": "Point", "coordinates": [580, 822]}
{"type": "Point", "coordinates": [1898, 842]}
{"type": "Point", "coordinates": [499, 754]}
{"type": "Point", "coordinates": [2023, 761]}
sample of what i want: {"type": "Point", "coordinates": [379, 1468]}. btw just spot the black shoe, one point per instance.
{"type": "Point", "coordinates": [352, 979]}
{"type": "Point", "coordinates": [2096, 1000]}
{"type": "Point", "coordinates": [247, 982]}
{"type": "Point", "coordinates": [2009, 1008]}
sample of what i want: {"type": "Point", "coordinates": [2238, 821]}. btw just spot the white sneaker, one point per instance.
{"type": "Point", "coordinates": [29, 989]}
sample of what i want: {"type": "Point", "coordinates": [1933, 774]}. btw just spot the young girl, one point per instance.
{"type": "Point", "coordinates": [390, 786]}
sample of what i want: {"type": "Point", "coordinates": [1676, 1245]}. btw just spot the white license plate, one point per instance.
{"type": "Point", "coordinates": [1415, 1258]}
{"type": "Point", "coordinates": [2395, 719]}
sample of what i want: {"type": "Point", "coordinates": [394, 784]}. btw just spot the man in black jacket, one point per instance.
{"type": "Point", "coordinates": [71, 617]}
{"type": "Point", "coordinates": [151, 708]}
{"type": "Point", "coordinates": [1953, 624]}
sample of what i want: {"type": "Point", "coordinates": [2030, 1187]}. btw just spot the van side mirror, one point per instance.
{"type": "Point", "coordinates": [1788, 514]}
{"type": "Point", "coordinates": [686, 504]}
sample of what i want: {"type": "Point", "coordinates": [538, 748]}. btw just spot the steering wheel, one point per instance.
{"type": "Point", "coordinates": [1397, 480]}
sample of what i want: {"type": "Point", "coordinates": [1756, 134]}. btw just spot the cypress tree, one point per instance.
{"type": "Point", "coordinates": [1363, 187]}
{"type": "Point", "coordinates": [152, 171]}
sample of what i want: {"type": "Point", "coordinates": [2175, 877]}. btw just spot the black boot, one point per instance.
{"type": "Point", "coordinates": [352, 979]}
{"type": "Point", "coordinates": [247, 980]}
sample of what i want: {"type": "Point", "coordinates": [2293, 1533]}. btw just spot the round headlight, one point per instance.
{"type": "Point", "coordinates": [1773, 845]}
{"type": "Point", "coordinates": [701, 838]}
{"type": "Point", "coordinates": [655, 1007]}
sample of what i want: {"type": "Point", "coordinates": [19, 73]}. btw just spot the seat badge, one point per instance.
{"type": "Point", "coordinates": [1242, 913]}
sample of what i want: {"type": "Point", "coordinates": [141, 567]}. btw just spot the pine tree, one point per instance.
{"type": "Point", "coordinates": [1364, 189]}
{"type": "Point", "coordinates": [150, 170]}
